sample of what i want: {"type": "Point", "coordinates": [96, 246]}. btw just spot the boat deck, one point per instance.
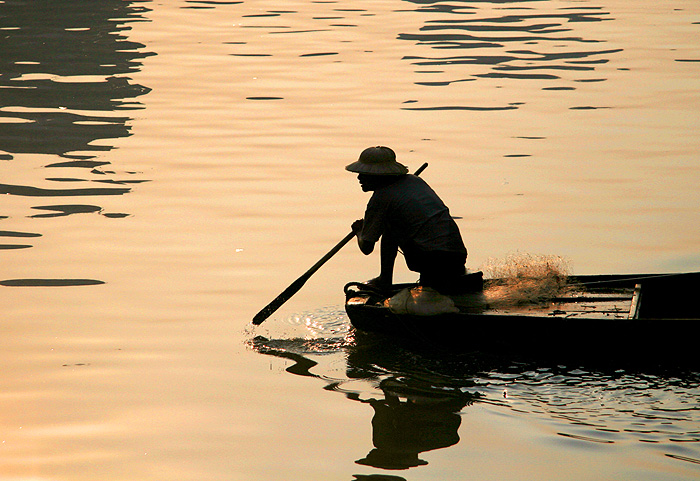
{"type": "Point", "coordinates": [582, 305]}
{"type": "Point", "coordinates": [589, 306]}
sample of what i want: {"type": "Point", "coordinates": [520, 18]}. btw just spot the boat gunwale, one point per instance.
{"type": "Point", "coordinates": [621, 282]}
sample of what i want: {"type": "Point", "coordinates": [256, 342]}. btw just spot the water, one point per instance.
{"type": "Point", "coordinates": [168, 168]}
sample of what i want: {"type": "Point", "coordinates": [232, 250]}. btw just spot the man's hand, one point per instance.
{"type": "Point", "coordinates": [357, 226]}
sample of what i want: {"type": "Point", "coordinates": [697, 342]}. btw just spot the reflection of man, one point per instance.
{"type": "Point", "coordinates": [401, 430]}
{"type": "Point", "coordinates": [415, 416]}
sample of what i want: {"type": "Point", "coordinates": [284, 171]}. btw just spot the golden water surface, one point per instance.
{"type": "Point", "coordinates": [167, 168]}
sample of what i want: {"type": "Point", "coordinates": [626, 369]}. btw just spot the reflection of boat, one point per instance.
{"type": "Point", "coordinates": [630, 317]}
{"type": "Point", "coordinates": [416, 408]}
{"type": "Point", "coordinates": [419, 399]}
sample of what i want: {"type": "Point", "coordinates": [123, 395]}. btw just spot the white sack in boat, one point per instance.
{"type": "Point", "coordinates": [421, 301]}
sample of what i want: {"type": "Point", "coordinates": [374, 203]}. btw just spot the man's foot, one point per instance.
{"type": "Point", "coordinates": [379, 284]}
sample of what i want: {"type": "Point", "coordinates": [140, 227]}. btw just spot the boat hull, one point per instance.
{"type": "Point", "coordinates": [618, 318]}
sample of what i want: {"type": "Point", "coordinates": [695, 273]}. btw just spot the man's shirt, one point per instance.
{"type": "Point", "coordinates": [412, 214]}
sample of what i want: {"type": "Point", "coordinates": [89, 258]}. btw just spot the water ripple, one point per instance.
{"type": "Point", "coordinates": [531, 42]}
{"type": "Point", "coordinates": [64, 87]}
{"type": "Point", "coordinates": [30, 191]}
{"type": "Point", "coordinates": [50, 282]}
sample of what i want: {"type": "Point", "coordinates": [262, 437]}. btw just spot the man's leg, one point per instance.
{"type": "Point", "coordinates": [388, 252]}
{"type": "Point", "coordinates": [442, 271]}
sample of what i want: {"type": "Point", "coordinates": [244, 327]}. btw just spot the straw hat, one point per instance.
{"type": "Point", "coordinates": [377, 161]}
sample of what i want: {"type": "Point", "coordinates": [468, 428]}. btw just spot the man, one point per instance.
{"type": "Point", "coordinates": [407, 214]}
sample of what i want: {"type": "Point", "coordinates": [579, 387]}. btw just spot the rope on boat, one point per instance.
{"type": "Point", "coordinates": [363, 288]}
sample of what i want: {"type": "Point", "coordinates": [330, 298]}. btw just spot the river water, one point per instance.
{"type": "Point", "coordinates": [169, 167]}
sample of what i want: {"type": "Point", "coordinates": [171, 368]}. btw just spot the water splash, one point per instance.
{"type": "Point", "coordinates": [329, 324]}
{"type": "Point", "coordinates": [525, 279]}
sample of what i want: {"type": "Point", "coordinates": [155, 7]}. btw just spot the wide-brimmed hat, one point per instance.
{"type": "Point", "coordinates": [377, 161]}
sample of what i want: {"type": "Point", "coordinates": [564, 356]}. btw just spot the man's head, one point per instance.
{"type": "Point", "coordinates": [380, 161]}
{"type": "Point", "coordinates": [370, 182]}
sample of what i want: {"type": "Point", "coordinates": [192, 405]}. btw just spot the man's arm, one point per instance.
{"type": "Point", "coordinates": [388, 251]}
{"type": "Point", "coordinates": [366, 247]}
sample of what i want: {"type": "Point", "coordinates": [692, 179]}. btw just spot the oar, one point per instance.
{"type": "Point", "coordinates": [299, 283]}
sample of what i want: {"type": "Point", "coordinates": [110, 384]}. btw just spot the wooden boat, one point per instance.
{"type": "Point", "coordinates": [649, 317]}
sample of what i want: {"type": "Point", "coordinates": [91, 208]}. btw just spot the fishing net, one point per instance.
{"type": "Point", "coordinates": [421, 301]}
{"type": "Point", "coordinates": [521, 279]}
